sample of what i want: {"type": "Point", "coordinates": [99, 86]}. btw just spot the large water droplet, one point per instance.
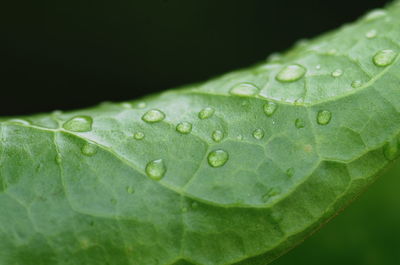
{"type": "Point", "coordinates": [299, 123]}
{"type": "Point", "coordinates": [324, 117]}
{"type": "Point", "coordinates": [156, 169]}
{"type": "Point", "coordinates": [356, 84]}
{"type": "Point", "coordinates": [153, 116]}
{"type": "Point", "coordinates": [184, 127]}
{"type": "Point", "coordinates": [89, 149]}
{"type": "Point", "coordinates": [270, 108]}
{"type": "Point", "coordinates": [138, 136]}
{"type": "Point", "coordinates": [218, 158]}
{"type": "Point", "coordinates": [291, 73]}
{"type": "Point", "coordinates": [337, 73]}
{"type": "Point", "coordinates": [244, 90]}
{"type": "Point", "coordinates": [217, 136]}
{"type": "Point", "coordinates": [384, 58]}
{"type": "Point", "coordinates": [206, 113]}
{"type": "Point", "coordinates": [79, 124]}
{"type": "Point", "coordinates": [258, 134]}
{"type": "Point", "coordinates": [371, 34]}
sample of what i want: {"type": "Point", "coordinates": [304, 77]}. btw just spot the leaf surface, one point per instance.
{"type": "Point", "coordinates": [236, 170]}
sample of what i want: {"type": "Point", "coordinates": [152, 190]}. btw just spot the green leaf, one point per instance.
{"type": "Point", "coordinates": [236, 170]}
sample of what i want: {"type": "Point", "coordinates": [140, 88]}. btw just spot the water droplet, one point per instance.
{"type": "Point", "coordinates": [184, 127]}
{"type": "Point", "coordinates": [19, 121]}
{"type": "Point", "coordinates": [156, 169]}
{"type": "Point", "coordinates": [184, 210]}
{"type": "Point", "coordinates": [290, 172]}
{"type": "Point", "coordinates": [391, 150]}
{"type": "Point", "coordinates": [138, 136]}
{"type": "Point", "coordinates": [79, 124]}
{"type": "Point", "coordinates": [126, 105]}
{"type": "Point", "coordinates": [244, 90]}
{"type": "Point", "coordinates": [153, 116]}
{"type": "Point", "coordinates": [371, 34]}
{"type": "Point", "coordinates": [384, 58]}
{"type": "Point", "coordinates": [356, 84]}
{"type": "Point", "coordinates": [374, 14]}
{"type": "Point", "coordinates": [130, 190]}
{"type": "Point", "coordinates": [332, 51]}
{"type": "Point", "coordinates": [271, 193]}
{"type": "Point", "coordinates": [194, 205]}
{"type": "Point", "coordinates": [139, 105]}
{"type": "Point", "coordinates": [291, 73]}
{"type": "Point", "coordinates": [270, 108]}
{"type": "Point", "coordinates": [324, 117]}
{"type": "Point", "coordinates": [217, 136]}
{"type": "Point", "coordinates": [258, 134]}
{"type": "Point", "coordinates": [218, 158]}
{"type": "Point", "coordinates": [58, 159]}
{"type": "Point", "coordinates": [89, 149]}
{"type": "Point", "coordinates": [318, 67]}
{"type": "Point", "coordinates": [239, 137]}
{"type": "Point", "coordinates": [299, 123]}
{"type": "Point", "coordinates": [274, 57]}
{"type": "Point", "coordinates": [206, 113]}
{"type": "Point", "coordinates": [337, 73]}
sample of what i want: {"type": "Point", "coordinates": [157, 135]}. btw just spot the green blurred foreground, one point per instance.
{"type": "Point", "coordinates": [366, 233]}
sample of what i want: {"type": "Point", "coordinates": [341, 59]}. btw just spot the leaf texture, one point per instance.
{"type": "Point", "coordinates": [236, 170]}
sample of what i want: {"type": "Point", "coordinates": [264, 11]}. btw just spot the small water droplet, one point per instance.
{"type": "Point", "coordinates": [89, 149]}
{"type": "Point", "coordinates": [218, 158]}
{"type": "Point", "coordinates": [271, 193]}
{"type": "Point", "coordinates": [337, 73]}
{"type": "Point", "coordinates": [184, 127]}
{"type": "Point", "coordinates": [126, 105]}
{"type": "Point", "coordinates": [239, 137]}
{"type": "Point", "coordinates": [291, 73]}
{"type": "Point", "coordinates": [391, 150]}
{"type": "Point", "coordinates": [332, 51]}
{"type": "Point", "coordinates": [156, 169]}
{"type": "Point", "coordinates": [384, 58]}
{"type": "Point", "coordinates": [138, 136]}
{"type": "Point", "coordinates": [194, 205]}
{"type": "Point", "coordinates": [184, 210]}
{"type": "Point", "coordinates": [318, 67]}
{"type": "Point", "coordinates": [324, 117]}
{"type": "Point", "coordinates": [130, 190]}
{"type": "Point", "coordinates": [374, 14]}
{"type": "Point", "coordinates": [274, 57]}
{"type": "Point", "coordinates": [153, 116]}
{"type": "Point", "coordinates": [217, 136]}
{"type": "Point", "coordinates": [356, 84]}
{"type": "Point", "coordinates": [299, 123]}
{"type": "Point", "coordinates": [79, 124]}
{"type": "Point", "coordinates": [19, 121]}
{"type": "Point", "coordinates": [206, 113]}
{"type": "Point", "coordinates": [58, 159]}
{"type": "Point", "coordinates": [244, 90]}
{"type": "Point", "coordinates": [371, 34]}
{"type": "Point", "coordinates": [270, 108]}
{"type": "Point", "coordinates": [290, 172]}
{"type": "Point", "coordinates": [140, 105]}
{"type": "Point", "coordinates": [258, 134]}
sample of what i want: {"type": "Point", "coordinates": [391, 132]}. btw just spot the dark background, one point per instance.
{"type": "Point", "coordinates": [72, 54]}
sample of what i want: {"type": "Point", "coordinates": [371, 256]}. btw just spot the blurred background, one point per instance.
{"type": "Point", "coordinates": [69, 54]}
{"type": "Point", "coordinates": [73, 54]}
